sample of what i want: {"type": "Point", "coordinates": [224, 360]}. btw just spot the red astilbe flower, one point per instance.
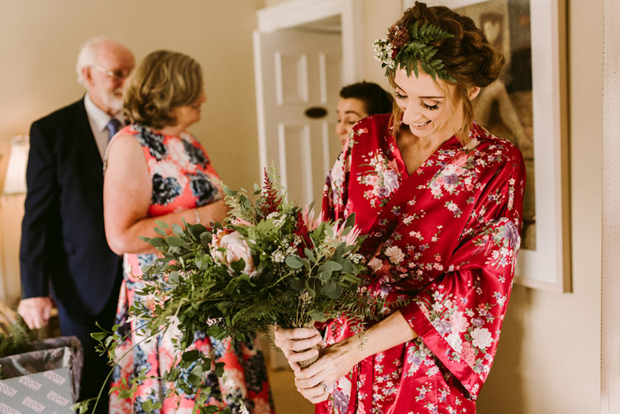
{"type": "Point", "coordinates": [270, 199]}
{"type": "Point", "coordinates": [302, 230]}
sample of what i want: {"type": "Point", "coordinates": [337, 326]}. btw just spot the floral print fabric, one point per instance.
{"type": "Point", "coordinates": [182, 178]}
{"type": "Point", "coordinates": [442, 244]}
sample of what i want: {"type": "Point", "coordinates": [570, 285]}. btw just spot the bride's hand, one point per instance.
{"type": "Point", "coordinates": [298, 344]}
{"type": "Point", "coordinates": [315, 381]}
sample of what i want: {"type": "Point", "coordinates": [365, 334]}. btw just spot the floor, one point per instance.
{"type": "Point", "coordinates": [285, 395]}
{"type": "Point", "coordinates": [282, 380]}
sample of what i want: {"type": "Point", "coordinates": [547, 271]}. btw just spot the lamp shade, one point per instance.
{"type": "Point", "coordinates": [15, 182]}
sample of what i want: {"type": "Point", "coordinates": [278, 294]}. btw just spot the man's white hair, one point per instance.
{"type": "Point", "coordinates": [88, 56]}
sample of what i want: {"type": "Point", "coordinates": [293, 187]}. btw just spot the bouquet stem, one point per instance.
{"type": "Point", "coordinates": [306, 363]}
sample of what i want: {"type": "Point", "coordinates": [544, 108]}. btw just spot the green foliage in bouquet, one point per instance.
{"type": "Point", "coordinates": [269, 263]}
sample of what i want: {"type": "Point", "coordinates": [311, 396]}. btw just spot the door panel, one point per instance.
{"type": "Point", "coordinates": [295, 71]}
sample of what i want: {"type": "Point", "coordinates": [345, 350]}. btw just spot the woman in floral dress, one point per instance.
{"type": "Point", "coordinates": [440, 200]}
{"type": "Point", "coordinates": [156, 170]}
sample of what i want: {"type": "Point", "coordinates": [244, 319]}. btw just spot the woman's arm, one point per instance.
{"type": "Point", "coordinates": [337, 360]}
{"type": "Point", "coordinates": [127, 194]}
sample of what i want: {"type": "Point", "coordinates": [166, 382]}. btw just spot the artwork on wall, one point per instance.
{"type": "Point", "coordinates": [527, 106]}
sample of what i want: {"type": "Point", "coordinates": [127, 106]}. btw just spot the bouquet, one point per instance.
{"type": "Point", "coordinates": [270, 262]}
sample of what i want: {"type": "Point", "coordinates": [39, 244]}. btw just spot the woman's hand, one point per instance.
{"type": "Point", "coordinates": [335, 361]}
{"type": "Point", "coordinates": [297, 344]}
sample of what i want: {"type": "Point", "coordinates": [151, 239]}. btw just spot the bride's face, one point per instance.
{"type": "Point", "coordinates": [428, 109]}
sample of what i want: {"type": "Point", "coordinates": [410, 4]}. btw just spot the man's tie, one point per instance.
{"type": "Point", "coordinates": [113, 126]}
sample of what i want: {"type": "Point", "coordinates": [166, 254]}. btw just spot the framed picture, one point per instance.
{"type": "Point", "coordinates": [528, 106]}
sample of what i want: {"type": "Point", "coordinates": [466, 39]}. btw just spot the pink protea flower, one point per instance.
{"type": "Point", "coordinates": [307, 216]}
{"type": "Point", "coordinates": [350, 239]}
{"type": "Point", "coordinates": [241, 222]}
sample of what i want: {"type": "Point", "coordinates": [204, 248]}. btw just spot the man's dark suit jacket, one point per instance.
{"type": "Point", "coordinates": [63, 237]}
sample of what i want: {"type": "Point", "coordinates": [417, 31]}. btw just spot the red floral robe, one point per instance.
{"type": "Point", "coordinates": [444, 242]}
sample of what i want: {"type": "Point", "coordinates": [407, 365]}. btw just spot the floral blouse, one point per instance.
{"type": "Point", "coordinates": [442, 244]}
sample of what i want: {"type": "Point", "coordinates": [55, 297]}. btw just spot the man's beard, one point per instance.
{"type": "Point", "coordinates": [115, 101]}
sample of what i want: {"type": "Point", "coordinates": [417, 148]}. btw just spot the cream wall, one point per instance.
{"type": "Point", "coordinates": [549, 355]}
{"type": "Point", "coordinates": [40, 41]}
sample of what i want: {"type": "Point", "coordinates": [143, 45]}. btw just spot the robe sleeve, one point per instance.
{"type": "Point", "coordinates": [335, 192]}
{"type": "Point", "coordinates": [459, 316]}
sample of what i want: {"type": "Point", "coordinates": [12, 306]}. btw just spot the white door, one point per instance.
{"type": "Point", "coordinates": [298, 78]}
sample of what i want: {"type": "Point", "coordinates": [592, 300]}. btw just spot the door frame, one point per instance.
{"type": "Point", "coordinates": [293, 13]}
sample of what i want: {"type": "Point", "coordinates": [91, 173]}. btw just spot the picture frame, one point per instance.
{"type": "Point", "coordinates": [544, 260]}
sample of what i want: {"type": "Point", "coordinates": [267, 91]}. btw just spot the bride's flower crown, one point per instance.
{"type": "Point", "coordinates": [405, 47]}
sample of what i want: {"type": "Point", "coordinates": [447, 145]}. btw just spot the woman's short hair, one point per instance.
{"type": "Point", "coordinates": [376, 100]}
{"type": "Point", "coordinates": [468, 57]}
{"type": "Point", "coordinates": [164, 80]}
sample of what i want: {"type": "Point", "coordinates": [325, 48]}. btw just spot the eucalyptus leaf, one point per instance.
{"type": "Point", "coordinates": [347, 267]}
{"type": "Point", "coordinates": [98, 336]}
{"type": "Point", "coordinates": [178, 230]}
{"type": "Point", "coordinates": [332, 290]}
{"type": "Point", "coordinates": [175, 241]}
{"type": "Point", "coordinates": [294, 262]}
{"type": "Point", "coordinates": [325, 275]}
{"type": "Point", "coordinates": [160, 231]}
{"type": "Point", "coordinates": [196, 230]}
{"type": "Point", "coordinates": [162, 224]}
{"type": "Point", "coordinates": [309, 254]}
{"type": "Point", "coordinates": [193, 379]}
{"type": "Point", "coordinates": [317, 315]}
{"type": "Point", "coordinates": [157, 242]}
{"type": "Point", "coordinates": [173, 277]}
{"type": "Point", "coordinates": [205, 239]}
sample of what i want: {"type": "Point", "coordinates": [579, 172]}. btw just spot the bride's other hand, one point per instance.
{"type": "Point", "coordinates": [297, 344]}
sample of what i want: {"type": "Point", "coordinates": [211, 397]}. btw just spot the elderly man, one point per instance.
{"type": "Point", "coordinates": [64, 252]}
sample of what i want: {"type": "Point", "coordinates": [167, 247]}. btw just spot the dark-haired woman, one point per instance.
{"type": "Point", "coordinates": [440, 200]}
{"type": "Point", "coordinates": [358, 101]}
{"type": "Point", "coordinates": [156, 170]}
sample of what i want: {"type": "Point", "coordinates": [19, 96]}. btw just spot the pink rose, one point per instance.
{"type": "Point", "coordinates": [235, 249]}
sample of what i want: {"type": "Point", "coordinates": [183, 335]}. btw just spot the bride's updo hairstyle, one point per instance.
{"type": "Point", "coordinates": [468, 57]}
{"type": "Point", "coordinates": [164, 80]}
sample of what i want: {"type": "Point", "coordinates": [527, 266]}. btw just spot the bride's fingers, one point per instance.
{"type": "Point", "coordinates": [295, 334]}
{"type": "Point", "coordinates": [315, 394]}
{"type": "Point", "coordinates": [302, 355]}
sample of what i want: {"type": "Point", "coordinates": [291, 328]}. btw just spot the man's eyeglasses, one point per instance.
{"type": "Point", "coordinates": [114, 74]}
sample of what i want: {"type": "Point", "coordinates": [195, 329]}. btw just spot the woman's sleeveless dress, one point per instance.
{"type": "Point", "coordinates": [183, 178]}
